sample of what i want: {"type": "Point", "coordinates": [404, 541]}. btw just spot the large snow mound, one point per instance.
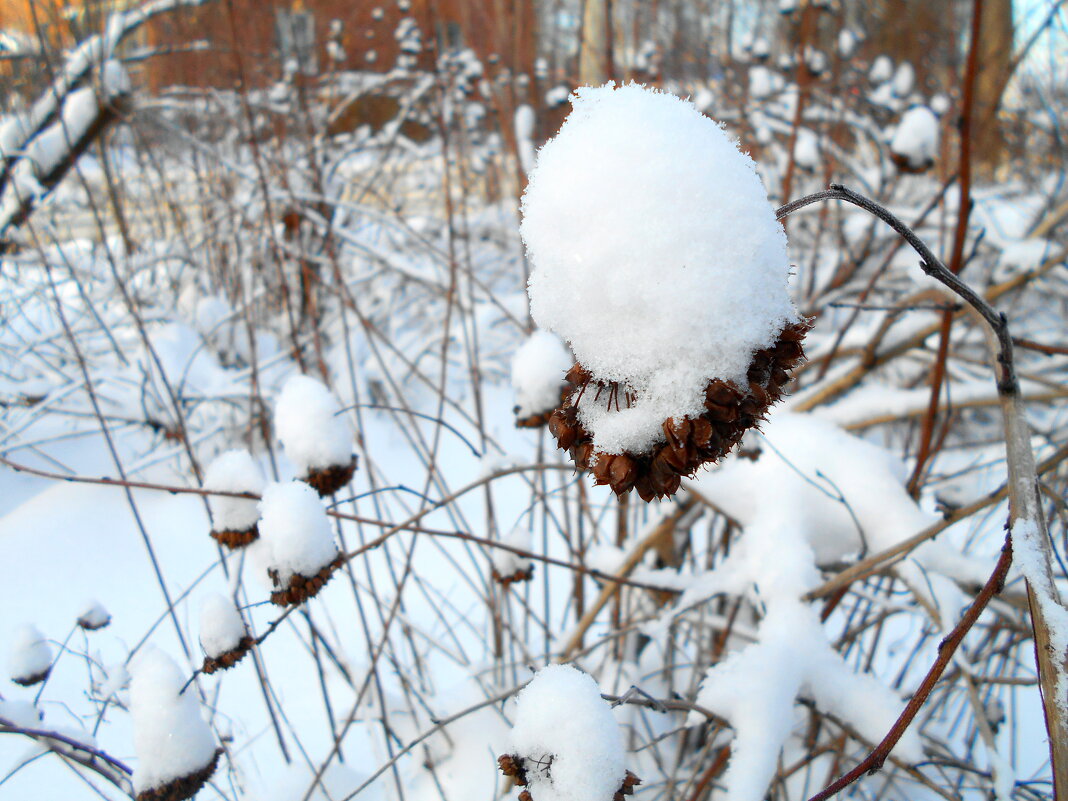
{"type": "Point", "coordinates": [656, 255]}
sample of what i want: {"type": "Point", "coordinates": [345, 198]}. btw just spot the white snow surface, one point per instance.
{"type": "Point", "coordinates": [538, 373]}
{"type": "Point", "coordinates": [234, 471]}
{"type": "Point", "coordinates": [916, 136]}
{"type": "Point", "coordinates": [171, 737]}
{"type": "Point", "coordinates": [295, 533]}
{"type": "Point", "coordinates": [314, 431]}
{"type": "Point", "coordinates": [561, 714]}
{"type": "Point", "coordinates": [834, 494]}
{"type": "Point", "coordinates": [29, 653]}
{"type": "Point", "coordinates": [656, 255]}
{"type": "Point", "coordinates": [221, 626]}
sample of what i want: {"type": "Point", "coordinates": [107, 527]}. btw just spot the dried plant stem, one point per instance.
{"type": "Point", "coordinates": [574, 642]}
{"type": "Point", "coordinates": [874, 761]}
{"type": "Point", "coordinates": [956, 260]}
{"type": "Point", "coordinates": [1022, 482]}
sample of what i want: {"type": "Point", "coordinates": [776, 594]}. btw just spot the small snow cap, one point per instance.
{"type": "Point", "coordinates": [234, 471]}
{"type": "Point", "coordinates": [295, 533]}
{"type": "Point", "coordinates": [538, 371]}
{"type": "Point", "coordinates": [567, 739]}
{"type": "Point", "coordinates": [311, 425]}
{"type": "Point", "coordinates": [30, 656]}
{"type": "Point", "coordinates": [221, 626]}
{"type": "Point", "coordinates": [93, 615]}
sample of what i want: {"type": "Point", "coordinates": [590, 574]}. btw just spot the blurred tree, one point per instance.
{"type": "Point", "coordinates": [995, 58]}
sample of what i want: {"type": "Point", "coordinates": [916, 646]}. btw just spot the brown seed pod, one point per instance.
{"type": "Point", "coordinates": [93, 624]}
{"type": "Point", "coordinates": [512, 578]}
{"type": "Point", "coordinates": [228, 659]}
{"type": "Point", "coordinates": [234, 539]}
{"type": "Point", "coordinates": [184, 786]}
{"type": "Point", "coordinates": [904, 164]}
{"type": "Point", "coordinates": [33, 678]}
{"type": "Point", "coordinates": [328, 480]}
{"type": "Point", "coordinates": [689, 442]}
{"type": "Point", "coordinates": [630, 781]}
{"type": "Point", "coordinates": [513, 766]}
{"type": "Point", "coordinates": [300, 588]}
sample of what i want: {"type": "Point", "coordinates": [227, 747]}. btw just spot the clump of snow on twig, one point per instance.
{"type": "Point", "coordinates": [915, 139]}
{"type": "Point", "coordinates": [295, 533]}
{"type": "Point", "coordinates": [656, 256]}
{"type": "Point", "coordinates": [538, 373]}
{"type": "Point", "coordinates": [311, 425]}
{"type": "Point", "coordinates": [221, 626]}
{"type": "Point", "coordinates": [234, 471]}
{"type": "Point", "coordinates": [171, 738]}
{"type": "Point", "coordinates": [510, 565]}
{"type": "Point", "coordinates": [29, 655]}
{"type": "Point", "coordinates": [568, 738]}
{"type": "Point", "coordinates": [93, 615]}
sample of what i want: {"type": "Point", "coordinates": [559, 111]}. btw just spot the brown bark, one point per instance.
{"type": "Point", "coordinates": [995, 57]}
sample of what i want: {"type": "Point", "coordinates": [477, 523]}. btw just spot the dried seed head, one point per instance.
{"type": "Point", "coordinates": [513, 766]}
{"type": "Point", "coordinates": [234, 539]}
{"type": "Point", "coordinates": [228, 659]}
{"type": "Point", "coordinates": [300, 588]}
{"type": "Point", "coordinates": [688, 442]}
{"type": "Point", "coordinates": [328, 480]}
{"type": "Point", "coordinates": [184, 786]}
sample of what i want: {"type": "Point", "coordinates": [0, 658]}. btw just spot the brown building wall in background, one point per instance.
{"type": "Point", "coordinates": [242, 37]}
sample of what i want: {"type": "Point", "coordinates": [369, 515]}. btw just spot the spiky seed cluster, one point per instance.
{"type": "Point", "coordinates": [515, 767]}
{"type": "Point", "coordinates": [516, 576]}
{"type": "Point", "coordinates": [328, 480]}
{"type": "Point", "coordinates": [630, 781]}
{"type": "Point", "coordinates": [33, 678]}
{"type": "Point", "coordinates": [234, 538]}
{"type": "Point", "coordinates": [184, 786]}
{"type": "Point", "coordinates": [228, 659]}
{"type": "Point", "coordinates": [300, 588]}
{"type": "Point", "coordinates": [689, 442]}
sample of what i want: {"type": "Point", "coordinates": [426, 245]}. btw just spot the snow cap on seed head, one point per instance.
{"type": "Point", "coordinates": [221, 626]}
{"type": "Point", "coordinates": [234, 471]}
{"type": "Point", "coordinates": [171, 738]}
{"type": "Point", "coordinates": [538, 371]}
{"type": "Point", "coordinates": [295, 533]}
{"type": "Point", "coordinates": [314, 431]}
{"type": "Point", "coordinates": [29, 656]}
{"type": "Point", "coordinates": [656, 256]}
{"type": "Point", "coordinates": [560, 715]}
